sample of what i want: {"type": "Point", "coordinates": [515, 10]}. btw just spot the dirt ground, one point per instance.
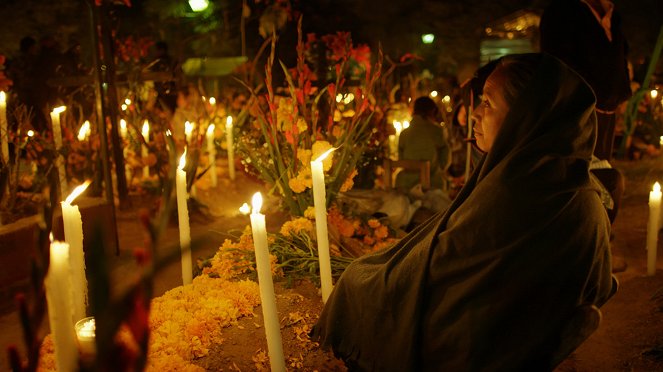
{"type": "Point", "coordinates": [630, 337]}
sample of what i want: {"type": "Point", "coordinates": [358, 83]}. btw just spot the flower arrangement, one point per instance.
{"type": "Point", "coordinates": [281, 134]}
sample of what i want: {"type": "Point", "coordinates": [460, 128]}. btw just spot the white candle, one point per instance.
{"type": "Point", "coordinates": [229, 143]}
{"type": "Point", "coordinates": [33, 163]}
{"type": "Point", "coordinates": [267, 298]}
{"type": "Point", "coordinates": [320, 204]}
{"type": "Point", "coordinates": [146, 134]}
{"type": "Point", "coordinates": [4, 131]}
{"type": "Point", "coordinates": [125, 150]}
{"type": "Point", "coordinates": [73, 236]}
{"type": "Point", "coordinates": [85, 131]}
{"type": "Point", "coordinates": [183, 218]}
{"type": "Point", "coordinates": [188, 131]}
{"type": "Point", "coordinates": [86, 332]}
{"type": "Point", "coordinates": [652, 228]}
{"type": "Point", "coordinates": [57, 138]}
{"type": "Point", "coordinates": [59, 300]}
{"type": "Point", "coordinates": [123, 128]}
{"type": "Point", "coordinates": [211, 150]}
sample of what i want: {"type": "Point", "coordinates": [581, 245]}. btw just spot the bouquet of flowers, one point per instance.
{"type": "Point", "coordinates": [281, 134]}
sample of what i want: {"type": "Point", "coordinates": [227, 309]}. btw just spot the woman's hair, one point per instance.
{"type": "Point", "coordinates": [516, 72]}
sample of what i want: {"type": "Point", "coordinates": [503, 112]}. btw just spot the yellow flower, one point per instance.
{"type": "Point", "coordinates": [349, 182]}
{"type": "Point", "coordinates": [301, 182]}
{"type": "Point", "coordinates": [301, 124]}
{"type": "Point", "coordinates": [319, 147]}
{"type": "Point", "coordinates": [304, 155]}
{"type": "Point", "coordinates": [310, 213]}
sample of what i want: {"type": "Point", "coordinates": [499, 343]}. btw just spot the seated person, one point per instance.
{"type": "Point", "coordinates": [491, 283]}
{"type": "Point", "coordinates": [424, 140]}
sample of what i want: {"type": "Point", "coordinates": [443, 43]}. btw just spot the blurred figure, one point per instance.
{"type": "Point", "coordinates": [587, 36]}
{"type": "Point", "coordinates": [425, 139]}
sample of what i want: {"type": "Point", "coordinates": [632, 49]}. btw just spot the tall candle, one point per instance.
{"type": "Point", "coordinates": [183, 218]}
{"type": "Point", "coordinates": [320, 204]}
{"type": "Point", "coordinates": [125, 150]}
{"type": "Point", "coordinates": [59, 299]}
{"type": "Point", "coordinates": [57, 138]}
{"type": "Point", "coordinates": [267, 298]}
{"type": "Point", "coordinates": [4, 131]}
{"type": "Point", "coordinates": [73, 236]}
{"type": "Point", "coordinates": [652, 228]}
{"type": "Point", "coordinates": [229, 143]}
{"type": "Point", "coordinates": [146, 134]}
{"type": "Point", "coordinates": [211, 150]}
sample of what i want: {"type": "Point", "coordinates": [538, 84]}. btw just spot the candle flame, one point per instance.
{"type": "Point", "coordinates": [51, 237]}
{"type": "Point", "coordinates": [127, 101]}
{"type": "Point", "coordinates": [188, 128]}
{"type": "Point", "coordinates": [212, 101]}
{"type": "Point", "coordinates": [88, 329]}
{"type": "Point", "coordinates": [657, 187]}
{"type": "Point", "coordinates": [229, 121]}
{"type": "Point", "coordinates": [433, 93]}
{"type": "Point", "coordinates": [32, 133]}
{"type": "Point", "coordinates": [210, 130]}
{"type": "Point", "coordinates": [325, 154]}
{"type": "Point", "coordinates": [123, 124]}
{"type": "Point", "coordinates": [653, 93]}
{"type": "Point", "coordinates": [59, 109]}
{"type": "Point", "coordinates": [256, 201]}
{"type": "Point", "coordinates": [245, 209]}
{"type": "Point", "coordinates": [3, 96]}
{"type": "Point", "coordinates": [146, 128]}
{"type": "Point", "coordinates": [406, 124]}
{"type": "Point", "coordinates": [84, 131]}
{"type": "Point", "coordinates": [124, 107]}
{"type": "Point", "coordinates": [77, 191]}
{"type": "Point", "coordinates": [168, 133]}
{"type": "Point", "coordinates": [182, 160]}
{"type": "Point", "coordinates": [398, 127]}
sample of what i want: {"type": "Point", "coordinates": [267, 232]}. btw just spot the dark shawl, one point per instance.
{"type": "Point", "coordinates": [489, 284]}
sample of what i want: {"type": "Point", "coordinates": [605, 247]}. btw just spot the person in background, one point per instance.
{"type": "Point", "coordinates": [587, 35]}
{"type": "Point", "coordinates": [425, 139]}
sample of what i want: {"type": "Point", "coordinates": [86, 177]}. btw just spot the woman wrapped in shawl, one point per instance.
{"type": "Point", "coordinates": [490, 284]}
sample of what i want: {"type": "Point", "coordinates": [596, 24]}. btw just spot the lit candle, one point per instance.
{"type": "Point", "coordinates": [183, 218]}
{"type": "Point", "coordinates": [653, 93]}
{"type": "Point", "coordinates": [4, 131]}
{"type": "Point", "coordinates": [211, 150]}
{"type": "Point", "coordinates": [73, 236]}
{"type": "Point", "coordinates": [146, 134]}
{"type": "Point", "coordinates": [57, 138]}
{"type": "Point", "coordinates": [85, 131]}
{"type": "Point", "coordinates": [320, 204]}
{"type": "Point", "coordinates": [652, 227]}
{"type": "Point", "coordinates": [59, 300]}
{"type": "Point", "coordinates": [123, 128]}
{"type": "Point", "coordinates": [33, 163]}
{"type": "Point", "coordinates": [393, 140]}
{"type": "Point", "coordinates": [229, 143]}
{"type": "Point", "coordinates": [188, 131]}
{"type": "Point", "coordinates": [267, 298]}
{"type": "Point", "coordinates": [86, 332]}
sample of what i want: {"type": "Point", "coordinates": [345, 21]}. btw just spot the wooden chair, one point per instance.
{"type": "Point", "coordinates": [423, 166]}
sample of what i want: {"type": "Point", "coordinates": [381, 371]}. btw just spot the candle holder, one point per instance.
{"type": "Point", "coordinates": [86, 336]}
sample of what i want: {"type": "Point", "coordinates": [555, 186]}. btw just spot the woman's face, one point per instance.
{"type": "Point", "coordinates": [490, 113]}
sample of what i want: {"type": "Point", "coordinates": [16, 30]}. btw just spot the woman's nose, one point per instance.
{"type": "Point", "coordinates": [476, 113]}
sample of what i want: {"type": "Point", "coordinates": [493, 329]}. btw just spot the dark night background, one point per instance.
{"type": "Point", "coordinates": [395, 25]}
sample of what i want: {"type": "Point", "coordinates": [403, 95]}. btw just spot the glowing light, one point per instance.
{"type": "Point", "coordinates": [182, 160]}
{"type": "Point", "coordinates": [146, 129]}
{"type": "Point", "coordinates": [657, 187]}
{"type": "Point", "coordinates": [653, 93]}
{"type": "Point", "coordinates": [229, 121]}
{"type": "Point", "coordinates": [245, 209]}
{"type": "Point", "coordinates": [348, 98]}
{"type": "Point", "coordinates": [427, 38]}
{"type": "Point", "coordinates": [398, 127]}
{"type": "Point", "coordinates": [88, 329]}
{"type": "Point", "coordinates": [446, 99]}
{"type": "Point", "coordinates": [127, 101]}
{"type": "Point", "coordinates": [31, 133]}
{"type": "Point", "coordinates": [406, 124]}
{"type": "Point", "coordinates": [256, 202]}
{"type": "Point", "coordinates": [339, 98]}
{"type": "Point", "coordinates": [210, 130]}
{"type": "Point", "coordinates": [85, 131]}
{"type": "Point", "coordinates": [124, 107]}
{"type": "Point", "coordinates": [325, 154]}
{"type": "Point", "coordinates": [59, 109]}
{"type": "Point", "coordinates": [212, 101]}
{"type": "Point", "coordinates": [77, 192]}
{"type": "Point", "coordinates": [433, 94]}
{"type": "Point", "coordinates": [198, 5]}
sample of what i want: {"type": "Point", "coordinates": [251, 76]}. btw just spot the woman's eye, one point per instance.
{"type": "Point", "coordinates": [485, 103]}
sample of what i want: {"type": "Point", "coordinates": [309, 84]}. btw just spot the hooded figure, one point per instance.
{"type": "Point", "coordinates": [490, 284]}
